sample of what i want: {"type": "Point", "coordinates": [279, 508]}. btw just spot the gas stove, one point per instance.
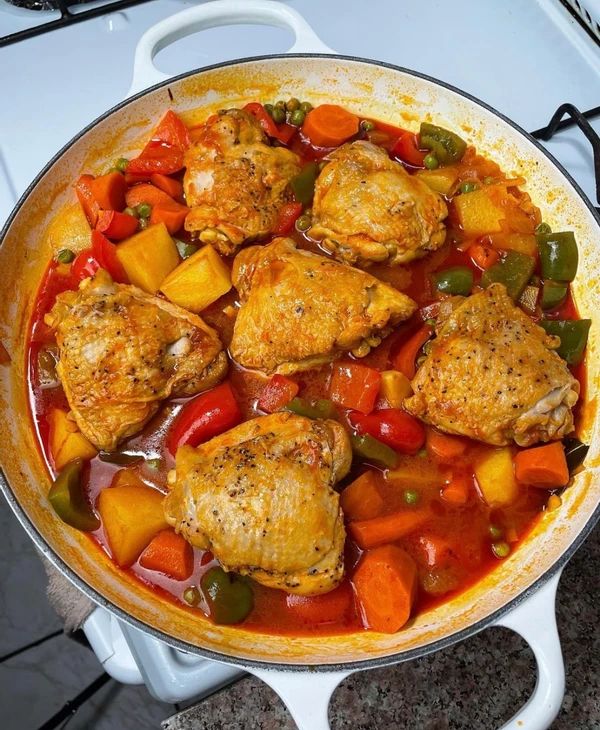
{"type": "Point", "coordinates": [525, 59]}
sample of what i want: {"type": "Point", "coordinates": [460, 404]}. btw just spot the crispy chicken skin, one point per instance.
{"type": "Point", "coordinates": [122, 351]}
{"type": "Point", "coordinates": [235, 183]}
{"type": "Point", "coordinates": [491, 375]}
{"type": "Point", "coordinates": [368, 208]}
{"type": "Point", "coordinates": [300, 310]}
{"type": "Point", "coordinates": [261, 498]}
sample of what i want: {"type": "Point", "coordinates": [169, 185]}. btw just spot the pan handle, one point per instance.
{"type": "Point", "coordinates": [535, 620]}
{"type": "Point", "coordinates": [211, 15]}
{"type": "Point", "coordinates": [305, 694]}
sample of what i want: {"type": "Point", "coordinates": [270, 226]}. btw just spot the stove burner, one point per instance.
{"type": "Point", "coordinates": [66, 16]}
{"type": "Point", "coordinates": [557, 124]}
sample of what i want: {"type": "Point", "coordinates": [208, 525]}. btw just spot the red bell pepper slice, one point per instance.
{"type": "Point", "coordinates": [156, 157]}
{"type": "Point", "coordinates": [116, 225]}
{"type": "Point", "coordinates": [404, 359]}
{"type": "Point", "coordinates": [277, 393]}
{"type": "Point", "coordinates": [173, 131]}
{"type": "Point", "coordinates": [105, 254]}
{"type": "Point", "coordinates": [86, 198]}
{"type": "Point", "coordinates": [354, 386]}
{"type": "Point", "coordinates": [407, 149]}
{"type": "Point", "coordinates": [84, 265]}
{"type": "Point", "coordinates": [282, 132]}
{"type": "Point", "coordinates": [204, 417]}
{"type": "Point", "coordinates": [393, 427]}
{"type": "Point", "coordinates": [287, 217]}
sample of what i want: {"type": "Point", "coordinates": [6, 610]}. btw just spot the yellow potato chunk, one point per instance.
{"type": "Point", "coordinates": [131, 517]}
{"type": "Point", "coordinates": [395, 387]}
{"type": "Point", "coordinates": [69, 229]}
{"type": "Point", "coordinates": [495, 476]}
{"type": "Point", "coordinates": [478, 213]}
{"type": "Point", "coordinates": [66, 440]}
{"type": "Point", "coordinates": [199, 281]}
{"type": "Point", "coordinates": [441, 180]}
{"type": "Point", "coordinates": [521, 242]}
{"type": "Point", "coordinates": [148, 257]}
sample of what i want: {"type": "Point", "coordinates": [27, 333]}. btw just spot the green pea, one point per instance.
{"type": "Point", "coordinates": [411, 496]}
{"type": "Point", "coordinates": [144, 210]}
{"type": "Point", "coordinates": [153, 463]}
{"type": "Point", "coordinates": [292, 104]}
{"type": "Point", "coordinates": [367, 125]}
{"type": "Point", "coordinates": [306, 106]}
{"type": "Point", "coordinates": [495, 532]}
{"type": "Point", "coordinates": [191, 596]}
{"type": "Point", "coordinates": [468, 187]}
{"type": "Point", "coordinates": [121, 164]}
{"type": "Point", "coordinates": [297, 118]}
{"type": "Point", "coordinates": [269, 109]}
{"type": "Point", "coordinates": [431, 322]}
{"type": "Point", "coordinates": [278, 115]}
{"type": "Point", "coordinates": [501, 549]}
{"type": "Point", "coordinates": [431, 162]}
{"type": "Point", "coordinates": [132, 212]}
{"type": "Point", "coordinates": [280, 104]}
{"type": "Point", "coordinates": [543, 228]}
{"type": "Point", "coordinates": [303, 223]}
{"type": "Point", "coordinates": [65, 256]}
{"type": "Point", "coordinates": [229, 596]}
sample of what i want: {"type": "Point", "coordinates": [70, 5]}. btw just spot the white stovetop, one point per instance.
{"type": "Point", "coordinates": [524, 57]}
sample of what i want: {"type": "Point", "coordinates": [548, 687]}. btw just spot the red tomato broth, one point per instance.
{"type": "Point", "coordinates": [463, 529]}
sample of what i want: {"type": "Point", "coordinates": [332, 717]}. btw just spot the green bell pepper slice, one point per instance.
{"type": "Point", "coordinates": [371, 449]}
{"type": "Point", "coordinates": [514, 271]}
{"type": "Point", "coordinates": [456, 280]}
{"type": "Point", "coordinates": [573, 335]}
{"type": "Point", "coordinates": [120, 458]}
{"type": "Point", "coordinates": [229, 596]}
{"type": "Point", "coordinates": [320, 409]}
{"type": "Point", "coordinates": [575, 453]}
{"type": "Point", "coordinates": [559, 256]}
{"type": "Point", "coordinates": [68, 500]}
{"type": "Point", "coordinates": [303, 184]}
{"type": "Point", "coordinates": [445, 145]}
{"type": "Point", "coordinates": [554, 294]}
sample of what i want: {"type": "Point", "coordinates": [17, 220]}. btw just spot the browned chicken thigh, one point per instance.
{"type": "Point", "coordinates": [299, 310]}
{"type": "Point", "coordinates": [122, 351]}
{"type": "Point", "coordinates": [368, 208]}
{"type": "Point", "coordinates": [261, 498]}
{"type": "Point", "coordinates": [491, 375]}
{"type": "Point", "coordinates": [235, 183]}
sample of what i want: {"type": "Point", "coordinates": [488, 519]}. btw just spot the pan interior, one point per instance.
{"type": "Point", "coordinates": [369, 89]}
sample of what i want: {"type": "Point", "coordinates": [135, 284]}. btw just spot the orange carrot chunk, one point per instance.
{"type": "Point", "coordinates": [109, 191]}
{"type": "Point", "coordinates": [443, 448]}
{"type": "Point", "coordinates": [380, 530]}
{"type": "Point", "coordinates": [543, 466]}
{"type": "Point", "coordinates": [329, 125]}
{"type": "Point", "coordinates": [386, 585]}
{"type": "Point", "coordinates": [458, 489]}
{"type": "Point", "coordinates": [168, 185]}
{"type": "Point", "coordinates": [362, 500]}
{"type": "Point", "coordinates": [323, 609]}
{"type": "Point", "coordinates": [169, 553]}
{"type": "Point", "coordinates": [164, 208]}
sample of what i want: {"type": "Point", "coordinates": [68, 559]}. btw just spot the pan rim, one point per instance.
{"type": "Point", "coordinates": [355, 665]}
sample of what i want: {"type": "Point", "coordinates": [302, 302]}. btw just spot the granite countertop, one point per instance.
{"type": "Point", "coordinates": [475, 685]}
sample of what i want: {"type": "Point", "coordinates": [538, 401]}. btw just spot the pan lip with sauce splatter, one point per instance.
{"type": "Point", "coordinates": [371, 663]}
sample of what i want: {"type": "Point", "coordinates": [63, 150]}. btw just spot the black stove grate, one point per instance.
{"type": "Point", "coordinates": [581, 120]}
{"type": "Point", "coordinates": [66, 17]}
